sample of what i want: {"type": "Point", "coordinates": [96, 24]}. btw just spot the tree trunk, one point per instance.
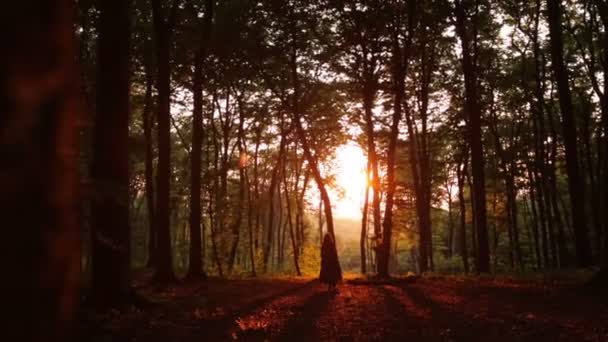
{"type": "Point", "coordinates": [39, 181]}
{"type": "Point", "coordinates": [463, 212]}
{"type": "Point", "coordinates": [271, 193]}
{"type": "Point", "coordinates": [195, 265]}
{"type": "Point", "coordinates": [149, 162]}
{"type": "Point", "coordinates": [162, 35]}
{"type": "Point", "coordinates": [575, 182]}
{"type": "Point", "coordinates": [364, 221]}
{"type": "Point", "coordinates": [475, 142]}
{"type": "Point", "coordinates": [301, 134]}
{"type": "Point", "coordinates": [290, 222]}
{"type": "Point", "coordinates": [400, 65]}
{"type": "Point", "coordinates": [111, 257]}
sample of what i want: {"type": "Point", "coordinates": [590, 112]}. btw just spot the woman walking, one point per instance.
{"type": "Point", "coordinates": [331, 273]}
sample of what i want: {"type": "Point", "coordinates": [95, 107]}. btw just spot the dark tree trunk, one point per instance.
{"type": "Point", "coordinates": [303, 139]}
{"type": "Point", "coordinates": [400, 65]}
{"type": "Point", "coordinates": [602, 6]}
{"type": "Point", "coordinates": [110, 281]}
{"type": "Point", "coordinates": [271, 192]}
{"type": "Point", "coordinates": [452, 239]}
{"type": "Point", "coordinates": [250, 223]}
{"type": "Point", "coordinates": [372, 158]}
{"type": "Point", "coordinates": [195, 265]}
{"type": "Point", "coordinates": [475, 142]}
{"type": "Point", "coordinates": [575, 182]}
{"type": "Point", "coordinates": [463, 212]}
{"type": "Point", "coordinates": [162, 35]}
{"type": "Point", "coordinates": [536, 222]}
{"type": "Point", "coordinates": [364, 221]}
{"type": "Point", "coordinates": [290, 222]}
{"type": "Point", "coordinates": [39, 181]}
{"type": "Point", "coordinates": [149, 162]}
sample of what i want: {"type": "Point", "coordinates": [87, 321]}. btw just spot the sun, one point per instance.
{"type": "Point", "coordinates": [350, 178]}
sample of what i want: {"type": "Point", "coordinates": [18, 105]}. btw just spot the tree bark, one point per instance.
{"type": "Point", "coordinates": [271, 192]}
{"type": "Point", "coordinates": [111, 257]}
{"type": "Point", "coordinates": [39, 181]}
{"type": "Point", "coordinates": [463, 211]}
{"type": "Point", "coordinates": [290, 222]}
{"type": "Point", "coordinates": [195, 265]}
{"type": "Point", "coordinates": [364, 221]}
{"type": "Point", "coordinates": [162, 34]}
{"type": "Point", "coordinates": [475, 142]}
{"type": "Point", "coordinates": [575, 182]}
{"type": "Point", "coordinates": [149, 162]}
{"type": "Point", "coordinates": [400, 65]}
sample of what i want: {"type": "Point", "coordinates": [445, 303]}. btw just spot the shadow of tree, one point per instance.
{"type": "Point", "coordinates": [448, 322]}
{"type": "Point", "coordinates": [219, 329]}
{"type": "Point", "coordinates": [302, 326]}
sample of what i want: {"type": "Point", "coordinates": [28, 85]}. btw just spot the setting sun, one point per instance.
{"type": "Point", "coordinates": [350, 179]}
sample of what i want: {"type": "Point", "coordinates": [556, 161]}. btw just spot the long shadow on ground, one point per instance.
{"type": "Point", "coordinates": [219, 329]}
{"type": "Point", "coordinates": [455, 322]}
{"type": "Point", "coordinates": [302, 326]}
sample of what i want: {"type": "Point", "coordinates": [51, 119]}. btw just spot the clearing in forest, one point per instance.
{"type": "Point", "coordinates": [429, 309]}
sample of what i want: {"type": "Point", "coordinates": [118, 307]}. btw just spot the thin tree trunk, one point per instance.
{"type": "Point", "coordinates": [364, 219]}
{"type": "Point", "coordinates": [149, 162]}
{"type": "Point", "coordinates": [290, 222]}
{"type": "Point", "coordinates": [463, 212]}
{"type": "Point", "coordinates": [271, 193]}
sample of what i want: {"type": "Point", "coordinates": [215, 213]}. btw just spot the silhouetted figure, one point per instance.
{"type": "Point", "coordinates": [331, 273]}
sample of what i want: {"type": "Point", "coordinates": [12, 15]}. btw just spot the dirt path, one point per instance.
{"type": "Point", "coordinates": [302, 310]}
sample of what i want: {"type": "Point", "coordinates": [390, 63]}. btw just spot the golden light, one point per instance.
{"type": "Point", "coordinates": [243, 160]}
{"type": "Point", "coordinates": [351, 178]}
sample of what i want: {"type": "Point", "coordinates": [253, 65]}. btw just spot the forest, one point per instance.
{"type": "Point", "coordinates": [170, 169]}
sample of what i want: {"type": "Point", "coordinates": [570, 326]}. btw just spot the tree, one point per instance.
{"type": "Point", "coordinates": [400, 63]}
{"type": "Point", "coordinates": [111, 257]}
{"type": "Point", "coordinates": [163, 28]}
{"type": "Point", "coordinates": [575, 182]}
{"type": "Point", "coordinates": [39, 195]}
{"type": "Point", "coordinates": [195, 269]}
{"type": "Point", "coordinates": [473, 110]}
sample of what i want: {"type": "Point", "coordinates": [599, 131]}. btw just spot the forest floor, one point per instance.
{"type": "Point", "coordinates": [427, 309]}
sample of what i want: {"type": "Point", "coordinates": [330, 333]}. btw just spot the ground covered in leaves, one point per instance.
{"type": "Point", "coordinates": [427, 309]}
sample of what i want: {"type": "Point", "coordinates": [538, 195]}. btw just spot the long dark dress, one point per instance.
{"type": "Point", "coordinates": [331, 273]}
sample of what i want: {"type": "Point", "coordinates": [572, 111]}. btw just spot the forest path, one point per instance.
{"type": "Point", "coordinates": [302, 310]}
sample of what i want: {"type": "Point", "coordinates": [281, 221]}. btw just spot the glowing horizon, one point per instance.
{"type": "Point", "coordinates": [351, 179]}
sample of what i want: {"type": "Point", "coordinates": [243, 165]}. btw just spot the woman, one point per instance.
{"type": "Point", "coordinates": [331, 273]}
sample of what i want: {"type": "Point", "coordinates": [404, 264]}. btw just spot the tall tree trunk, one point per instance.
{"type": "Point", "coordinates": [372, 158]}
{"type": "Point", "coordinates": [39, 181]}
{"type": "Point", "coordinates": [475, 142]}
{"type": "Point", "coordinates": [294, 247]}
{"type": "Point", "coordinates": [303, 139]}
{"type": "Point", "coordinates": [195, 265]}
{"type": "Point", "coordinates": [111, 257]}
{"type": "Point", "coordinates": [271, 192]}
{"type": "Point", "coordinates": [250, 223]}
{"type": "Point", "coordinates": [540, 258]}
{"type": "Point", "coordinates": [451, 240]}
{"type": "Point", "coordinates": [400, 65]}
{"type": "Point", "coordinates": [149, 162]}
{"type": "Point", "coordinates": [364, 220]}
{"type": "Point", "coordinates": [162, 35]}
{"type": "Point", "coordinates": [575, 182]}
{"type": "Point", "coordinates": [463, 212]}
